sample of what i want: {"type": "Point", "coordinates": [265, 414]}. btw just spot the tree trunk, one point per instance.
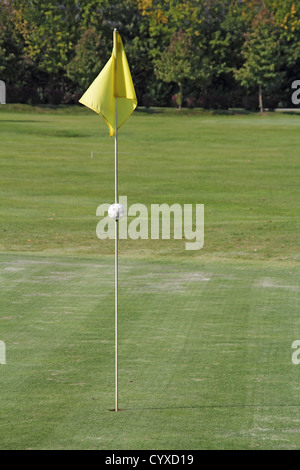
{"type": "Point", "coordinates": [260, 100]}
{"type": "Point", "coordinates": [180, 96]}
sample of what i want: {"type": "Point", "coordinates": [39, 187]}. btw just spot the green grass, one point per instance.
{"type": "Point", "coordinates": [244, 169]}
{"type": "Point", "coordinates": [205, 336]}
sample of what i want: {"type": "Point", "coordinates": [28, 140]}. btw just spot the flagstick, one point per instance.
{"type": "Point", "coordinates": [116, 266]}
{"type": "Point", "coordinates": [99, 97]}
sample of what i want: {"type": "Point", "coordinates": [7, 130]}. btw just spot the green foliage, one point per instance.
{"type": "Point", "coordinates": [88, 59]}
{"type": "Point", "coordinates": [287, 17]}
{"type": "Point", "coordinates": [63, 44]}
{"type": "Point", "coordinates": [263, 54]}
{"type": "Point", "coordinates": [49, 31]}
{"type": "Point", "coordinates": [176, 62]}
{"type": "Point", "coordinates": [12, 64]}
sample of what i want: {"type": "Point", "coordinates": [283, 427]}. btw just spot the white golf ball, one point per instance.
{"type": "Point", "coordinates": [116, 211]}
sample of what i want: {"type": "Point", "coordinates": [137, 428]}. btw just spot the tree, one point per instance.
{"type": "Point", "coordinates": [12, 64]}
{"type": "Point", "coordinates": [287, 16]}
{"type": "Point", "coordinates": [175, 62]}
{"type": "Point", "coordinates": [263, 56]}
{"type": "Point", "coordinates": [49, 31]}
{"type": "Point", "coordinates": [88, 59]}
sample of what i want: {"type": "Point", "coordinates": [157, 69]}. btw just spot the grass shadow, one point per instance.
{"type": "Point", "coordinates": [231, 405]}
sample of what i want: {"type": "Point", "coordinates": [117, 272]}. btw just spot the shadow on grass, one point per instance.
{"type": "Point", "coordinates": [194, 111]}
{"type": "Point", "coordinates": [237, 405]}
{"type": "Point", "coordinates": [20, 120]}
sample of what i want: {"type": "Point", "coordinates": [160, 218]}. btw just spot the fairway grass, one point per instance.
{"type": "Point", "coordinates": [205, 336]}
{"type": "Point", "coordinates": [204, 355]}
{"type": "Point", "coordinates": [243, 168]}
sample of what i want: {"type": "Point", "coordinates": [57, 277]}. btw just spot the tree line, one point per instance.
{"type": "Point", "coordinates": [207, 53]}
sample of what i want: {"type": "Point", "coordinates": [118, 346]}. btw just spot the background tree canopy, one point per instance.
{"type": "Point", "coordinates": [208, 53]}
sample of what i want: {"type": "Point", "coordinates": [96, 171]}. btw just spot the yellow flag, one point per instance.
{"type": "Point", "coordinates": [112, 93]}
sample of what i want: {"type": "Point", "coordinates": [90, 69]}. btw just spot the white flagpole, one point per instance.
{"type": "Point", "coordinates": [116, 269]}
{"type": "Point", "coordinates": [116, 253]}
